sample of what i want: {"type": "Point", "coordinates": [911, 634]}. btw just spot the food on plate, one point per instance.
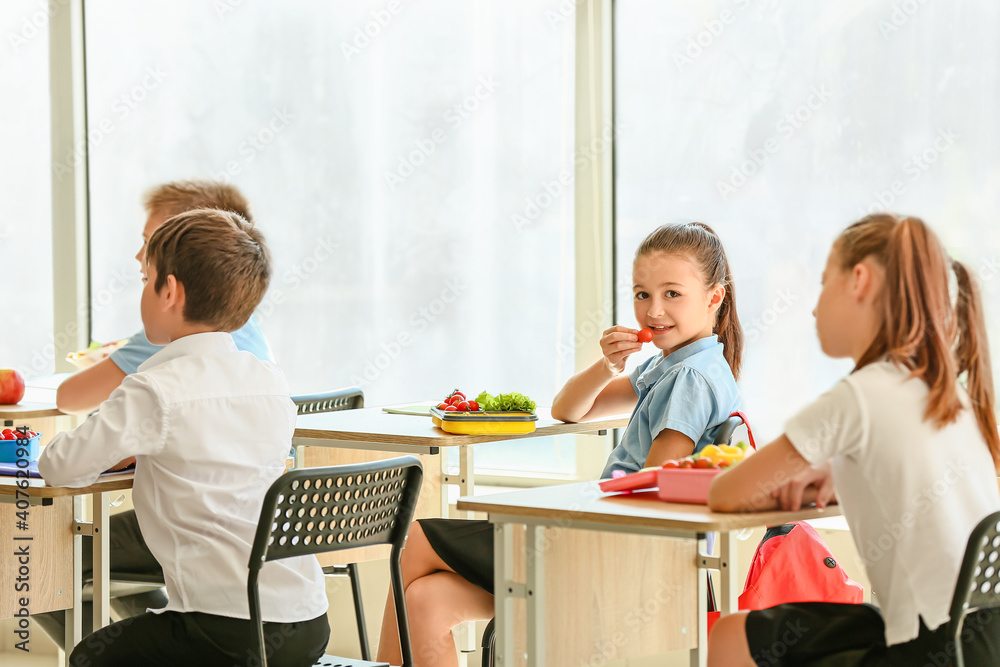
{"type": "Point", "coordinates": [11, 386]}
{"type": "Point", "coordinates": [95, 353]}
{"type": "Point", "coordinates": [645, 335]}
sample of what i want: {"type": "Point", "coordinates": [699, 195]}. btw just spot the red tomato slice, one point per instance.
{"type": "Point", "coordinates": [645, 335]}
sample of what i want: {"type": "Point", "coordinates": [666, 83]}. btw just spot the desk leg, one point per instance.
{"type": "Point", "coordinates": [699, 654]}
{"type": "Point", "coordinates": [465, 633]}
{"type": "Point", "coordinates": [727, 573]}
{"type": "Point", "coordinates": [74, 615]}
{"type": "Point", "coordinates": [503, 577]}
{"type": "Point", "coordinates": [534, 578]}
{"type": "Point", "coordinates": [102, 561]}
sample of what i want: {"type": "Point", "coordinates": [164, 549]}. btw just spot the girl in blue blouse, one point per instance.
{"type": "Point", "coordinates": [682, 291]}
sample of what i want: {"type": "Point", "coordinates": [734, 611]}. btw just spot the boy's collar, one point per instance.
{"type": "Point", "coordinates": [212, 342]}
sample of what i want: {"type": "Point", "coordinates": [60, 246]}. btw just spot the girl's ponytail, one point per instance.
{"type": "Point", "coordinates": [728, 327]}
{"type": "Point", "coordinates": [920, 329]}
{"type": "Point", "coordinates": [973, 357]}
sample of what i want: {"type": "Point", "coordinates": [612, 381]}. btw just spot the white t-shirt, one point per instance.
{"type": "Point", "coordinates": [911, 494]}
{"type": "Point", "coordinates": [210, 427]}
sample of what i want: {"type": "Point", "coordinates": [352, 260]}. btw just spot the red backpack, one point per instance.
{"type": "Point", "coordinates": [793, 564]}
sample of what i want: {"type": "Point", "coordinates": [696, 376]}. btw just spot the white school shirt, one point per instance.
{"type": "Point", "coordinates": [911, 493]}
{"type": "Point", "coordinates": [210, 427]}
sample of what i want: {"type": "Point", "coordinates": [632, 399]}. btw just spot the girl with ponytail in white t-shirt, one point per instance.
{"type": "Point", "coordinates": [907, 444]}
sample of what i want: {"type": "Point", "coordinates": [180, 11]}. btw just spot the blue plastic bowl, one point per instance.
{"type": "Point", "coordinates": [8, 450]}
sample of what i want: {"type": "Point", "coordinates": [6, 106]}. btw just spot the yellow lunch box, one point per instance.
{"type": "Point", "coordinates": [484, 423]}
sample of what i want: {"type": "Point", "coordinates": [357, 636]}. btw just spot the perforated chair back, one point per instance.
{"type": "Point", "coordinates": [316, 510]}
{"type": "Point", "coordinates": [349, 398]}
{"type": "Point", "coordinates": [978, 586]}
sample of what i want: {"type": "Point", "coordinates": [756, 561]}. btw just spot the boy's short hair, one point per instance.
{"type": "Point", "coordinates": [221, 259]}
{"type": "Point", "coordinates": [170, 199]}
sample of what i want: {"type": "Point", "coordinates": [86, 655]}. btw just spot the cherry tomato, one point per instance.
{"type": "Point", "coordinates": [645, 335]}
{"type": "Point", "coordinates": [671, 464]}
{"type": "Point", "coordinates": [724, 464]}
{"type": "Point", "coordinates": [463, 406]}
{"type": "Point", "coordinates": [459, 395]}
{"type": "Point", "coordinates": [451, 408]}
{"type": "Point", "coordinates": [474, 406]}
{"type": "Point", "coordinates": [442, 406]}
{"type": "Point", "coordinates": [703, 463]}
{"type": "Point", "coordinates": [687, 463]}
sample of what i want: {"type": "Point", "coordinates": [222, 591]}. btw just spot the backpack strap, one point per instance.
{"type": "Point", "coordinates": [746, 423]}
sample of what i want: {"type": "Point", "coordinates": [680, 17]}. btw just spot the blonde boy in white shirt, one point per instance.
{"type": "Point", "coordinates": [210, 427]}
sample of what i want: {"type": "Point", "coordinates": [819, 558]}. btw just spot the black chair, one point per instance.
{"type": "Point", "coordinates": [978, 586]}
{"type": "Point", "coordinates": [350, 398]}
{"type": "Point", "coordinates": [316, 510]}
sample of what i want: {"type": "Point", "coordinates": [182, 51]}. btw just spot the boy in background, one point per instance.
{"type": "Point", "coordinates": [210, 427]}
{"type": "Point", "coordinates": [84, 392]}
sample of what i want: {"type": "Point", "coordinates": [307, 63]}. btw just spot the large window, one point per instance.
{"type": "Point", "coordinates": [407, 161]}
{"type": "Point", "coordinates": [781, 123]}
{"type": "Point", "coordinates": [25, 189]}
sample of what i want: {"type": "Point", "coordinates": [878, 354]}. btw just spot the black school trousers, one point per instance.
{"type": "Point", "coordinates": [192, 639]}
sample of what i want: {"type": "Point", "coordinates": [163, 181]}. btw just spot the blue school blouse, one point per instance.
{"type": "Point", "coordinates": [692, 390]}
{"type": "Point", "coordinates": [248, 338]}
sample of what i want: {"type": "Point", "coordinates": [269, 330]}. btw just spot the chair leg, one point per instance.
{"type": "Point", "coordinates": [359, 610]}
{"type": "Point", "coordinates": [489, 643]}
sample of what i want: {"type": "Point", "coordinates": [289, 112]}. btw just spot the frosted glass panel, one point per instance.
{"type": "Point", "coordinates": [779, 124]}
{"type": "Point", "coordinates": [389, 151]}
{"type": "Point", "coordinates": [25, 189]}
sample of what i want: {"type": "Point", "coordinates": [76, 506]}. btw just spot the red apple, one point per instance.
{"type": "Point", "coordinates": [11, 386]}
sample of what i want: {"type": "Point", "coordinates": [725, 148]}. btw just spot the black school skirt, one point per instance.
{"type": "Point", "coordinates": [465, 545]}
{"type": "Point", "coordinates": [826, 634]}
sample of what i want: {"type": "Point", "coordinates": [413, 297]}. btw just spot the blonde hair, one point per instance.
{"type": "Point", "coordinates": [220, 258]}
{"type": "Point", "coordinates": [170, 199]}
{"type": "Point", "coordinates": [921, 329]}
{"type": "Point", "coordinates": [699, 243]}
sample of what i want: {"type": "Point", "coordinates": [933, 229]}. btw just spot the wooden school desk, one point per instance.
{"type": "Point", "coordinates": [598, 579]}
{"type": "Point", "coordinates": [370, 430]}
{"type": "Point", "coordinates": [55, 529]}
{"type": "Point", "coordinates": [369, 434]}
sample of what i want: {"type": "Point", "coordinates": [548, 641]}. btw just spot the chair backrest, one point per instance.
{"type": "Point", "coordinates": [349, 398]}
{"type": "Point", "coordinates": [978, 584]}
{"type": "Point", "coordinates": [316, 510]}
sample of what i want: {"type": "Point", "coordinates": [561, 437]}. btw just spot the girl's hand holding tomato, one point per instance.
{"type": "Point", "coordinates": [618, 344]}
